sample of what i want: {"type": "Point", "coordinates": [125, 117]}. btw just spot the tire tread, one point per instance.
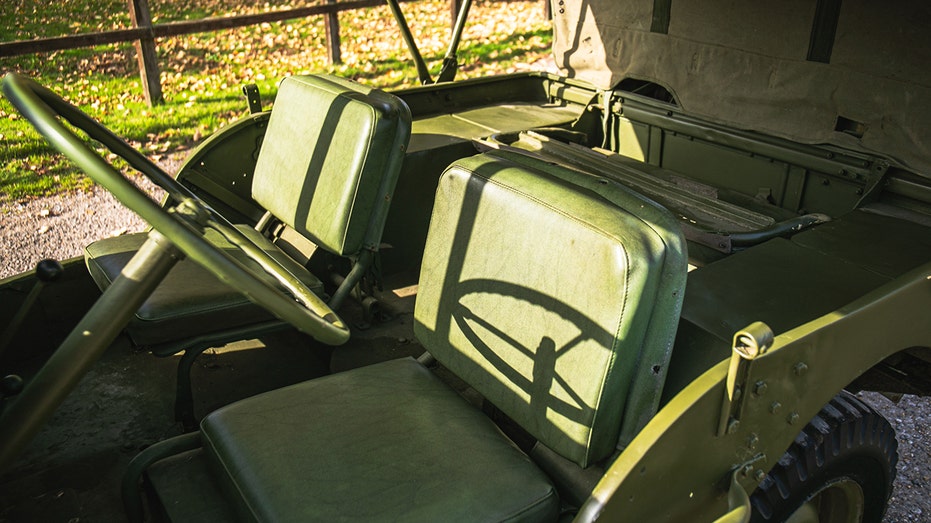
{"type": "Point", "coordinates": [845, 423]}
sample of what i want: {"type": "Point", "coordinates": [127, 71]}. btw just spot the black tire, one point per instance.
{"type": "Point", "coordinates": [847, 445]}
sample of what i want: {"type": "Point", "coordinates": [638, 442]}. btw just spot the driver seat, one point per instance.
{"type": "Point", "coordinates": [327, 169]}
{"type": "Point", "coordinates": [556, 303]}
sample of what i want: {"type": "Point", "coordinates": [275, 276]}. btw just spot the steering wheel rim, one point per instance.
{"type": "Point", "coordinates": [184, 228]}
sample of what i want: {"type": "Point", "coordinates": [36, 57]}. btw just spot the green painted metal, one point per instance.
{"type": "Point", "coordinates": [798, 178]}
{"type": "Point", "coordinates": [132, 500]}
{"type": "Point", "coordinates": [219, 171]}
{"type": "Point", "coordinates": [450, 64]}
{"type": "Point", "coordinates": [422, 72]}
{"type": "Point", "coordinates": [663, 475]}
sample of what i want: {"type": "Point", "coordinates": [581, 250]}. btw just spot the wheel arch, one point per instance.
{"type": "Point", "coordinates": [907, 371]}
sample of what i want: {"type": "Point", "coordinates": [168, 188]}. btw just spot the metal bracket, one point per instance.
{"type": "Point", "coordinates": [738, 501]}
{"type": "Point", "coordinates": [450, 62]}
{"type": "Point", "coordinates": [749, 343]}
{"type": "Point", "coordinates": [253, 98]}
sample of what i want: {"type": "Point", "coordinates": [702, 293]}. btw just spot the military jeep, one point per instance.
{"type": "Point", "coordinates": [642, 289]}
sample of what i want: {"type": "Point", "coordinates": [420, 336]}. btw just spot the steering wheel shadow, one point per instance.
{"type": "Point", "coordinates": [544, 357]}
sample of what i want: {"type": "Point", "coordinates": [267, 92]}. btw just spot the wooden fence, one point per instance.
{"type": "Point", "coordinates": [144, 33]}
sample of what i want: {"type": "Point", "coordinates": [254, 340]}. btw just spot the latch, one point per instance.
{"type": "Point", "coordinates": [749, 343]}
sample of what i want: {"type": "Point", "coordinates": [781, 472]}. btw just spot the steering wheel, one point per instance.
{"type": "Point", "coordinates": [184, 225]}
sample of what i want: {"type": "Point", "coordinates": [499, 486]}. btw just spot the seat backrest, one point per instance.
{"type": "Point", "coordinates": [330, 160]}
{"type": "Point", "coordinates": [555, 302]}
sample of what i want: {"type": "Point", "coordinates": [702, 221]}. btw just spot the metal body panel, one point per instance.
{"type": "Point", "coordinates": [657, 477]}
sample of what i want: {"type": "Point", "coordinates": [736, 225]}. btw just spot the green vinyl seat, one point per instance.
{"type": "Point", "coordinates": [557, 303]}
{"type": "Point", "coordinates": [327, 169]}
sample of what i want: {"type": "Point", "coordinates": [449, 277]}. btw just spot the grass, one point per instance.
{"type": "Point", "coordinates": [201, 74]}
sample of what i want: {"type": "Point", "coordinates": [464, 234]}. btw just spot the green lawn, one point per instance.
{"type": "Point", "coordinates": [201, 74]}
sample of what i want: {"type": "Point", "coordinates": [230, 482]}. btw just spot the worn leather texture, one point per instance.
{"type": "Point", "coordinates": [190, 297]}
{"type": "Point", "coordinates": [329, 146]}
{"type": "Point", "coordinates": [387, 442]}
{"type": "Point", "coordinates": [541, 294]}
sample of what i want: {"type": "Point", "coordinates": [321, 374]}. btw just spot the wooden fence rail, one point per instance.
{"type": "Point", "coordinates": [144, 34]}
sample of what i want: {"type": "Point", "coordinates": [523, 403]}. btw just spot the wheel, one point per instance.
{"type": "Point", "coordinates": [184, 224]}
{"type": "Point", "coordinates": [839, 469]}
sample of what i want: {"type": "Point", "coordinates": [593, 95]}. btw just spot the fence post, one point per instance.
{"type": "Point", "coordinates": [331, 22]}
{"type": "Point", "coordinates": [454, 7]}
{"type": "Point", "coordinates": [140, 16]}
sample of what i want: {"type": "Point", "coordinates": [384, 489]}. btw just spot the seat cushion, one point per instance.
{"type": "Point", "coordinates": [387, 442]}
{"type": "Point", "coordinates": [190, 300]}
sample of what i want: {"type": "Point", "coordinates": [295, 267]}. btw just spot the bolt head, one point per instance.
{"type": "Point", "coordinates": [760, 388]}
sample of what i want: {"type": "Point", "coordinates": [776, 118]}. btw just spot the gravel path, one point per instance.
{"type": "Point", "coordinates": [60, 226]}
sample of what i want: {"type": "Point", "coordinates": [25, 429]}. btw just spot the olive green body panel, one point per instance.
{"type": "Point", "coordinates": [446, 119]}
{"type": "Point", "coordinates": [221, 168]}
{"type": "Point", "coordinates": [786, 386]}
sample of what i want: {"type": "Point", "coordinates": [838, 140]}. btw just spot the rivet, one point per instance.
{"type": "Point", "coordinates": [800, 368]}
{"type": "Point", "coordinates": [759, 475]}
{"type": "Point", "coordinates": [775, 407]}
{"type": "Point", "coordinates": [793, 418]}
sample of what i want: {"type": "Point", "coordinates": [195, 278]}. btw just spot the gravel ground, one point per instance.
{"type": "Point", "coordinates": [59, 227]}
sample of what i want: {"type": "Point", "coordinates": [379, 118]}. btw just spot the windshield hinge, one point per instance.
{"type": "Point", "coordinates": [749, 343]}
